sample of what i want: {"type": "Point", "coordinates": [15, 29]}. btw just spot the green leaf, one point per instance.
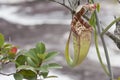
{"type": "Point", "coordinates": [44, 74]}
{"type": "Point", "coordinates": [20, 60]}
{"type": "Point", "coordinates": [98, 7]}
{"type": "Point", "coordinates": [43, 68]}
{"type": "Point", "coordinates": [54, 65]}
{"type": "Point", "coordinates": [33, 56]}
{"type": "Point", "coordinates": [118, 78]}
{"type": "Point", "coordinates": [40, 47]}
{"type": "Point", "coordinates": [50, 55]}
{"type": "Point", "coordinates": [30, 54]}
{"type": "Point", "coordinates": [33, 53]}
{"type": "Point", "coordinates": [30, 62]}
{"type": "Point", "coordinates": [51, 76]}
{"type": "Point", "coordinates": [18, 76]}
{"type": "Point", "coordinates": [7, 45]}
{"type": "Point", "coordinates": [1, 57]}
{"type": "Point", "coordinates": [32, 78]}
{"type": "Point", "coordinates": [28, 74]}
{"type": "Point", "coordinates": [92, 20]}
{"type": "Point", "coordinates": [1, 40]}
{"type": "Point", "coordinates": [42, 56]}
{"type": "Point", "coordinates": [26, 67]}
{"type": "Point", "coordinates": [21, 52]}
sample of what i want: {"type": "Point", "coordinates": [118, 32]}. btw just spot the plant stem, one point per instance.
{"type": "Point", "coordinates": [70, 3]}
{"type": "Point", "coordinates": [113, 37]}
{"type": "Point", "coordinates": [109, 26]}
{"type": "Point", "coordinates": [105, 48]}
{"type": "Point", "coordinates": [98, 52]}
{"type": "Point", "coordinates": [63, 4]}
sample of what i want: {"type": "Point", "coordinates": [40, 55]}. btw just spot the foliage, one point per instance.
{"type": "Point", "coordinates": [34, 63]}
{"type": "Point", "coordinates": [29, 64]}
{"type": "Point", "coordinates": [7, 51]}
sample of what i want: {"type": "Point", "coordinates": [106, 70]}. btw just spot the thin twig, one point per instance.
{"type": "Point", "coordinates": [21, 3]}
{"type": "Point", "coordinates": [62, 5]}
{"type": "Point", "coordinates": [76, 2]}
{"type": "Point", "coordinates": [7, 74]}
{"type": "Point", "coordinates": [104, 46]}
{"type": "Point", "coordinates": [109, 26]}
{"type": "Point", "coordinates": [114, 38]}
{"type": "Point", "coordinates": [86, 17]}
{"type": "Point", "coordinates": [98, 51]}
{"type": "Point", "coordinates": [79, 2]}
{"type": "Point", "coordinates": [63, 1]}
{"type": "Point", "coordinates": [118, 1]}
{"type": "Point", "coordinates": [70, 4]}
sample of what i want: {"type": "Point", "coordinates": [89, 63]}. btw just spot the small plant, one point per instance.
{"type": "Point", "coordinates": [31, 64]}
{"type": "Point", "coordinates": [7, 51]}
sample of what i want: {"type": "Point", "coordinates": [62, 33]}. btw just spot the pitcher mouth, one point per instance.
{"type": "Point", "coordinates": [90, 7]}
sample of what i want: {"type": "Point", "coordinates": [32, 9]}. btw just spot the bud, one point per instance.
{"type": "Point", "coordinates": [13, 50]}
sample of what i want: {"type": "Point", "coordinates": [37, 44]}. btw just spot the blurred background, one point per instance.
{"type": "Point", "coordinates": [24, 23]}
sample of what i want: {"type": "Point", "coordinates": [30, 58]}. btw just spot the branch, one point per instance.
{"type": "Point", "coordinates": [109, 26]}
{"type": "Point", "coordinates": [105, 49]}
{"type": "Point", "coordinates": [109, 34]}
{"type": "Point", "coordinates": [118, 1]}
{"type": "Point", "coordinates": [63, 5]}
{"type": "Point", "coordinates": [64, 1]}
{"type": "Point", "coordinates": [70, 3]}
{"type": "Point", "coordinates": [104, 46]}
{"type": "Point", "coordinates": [7, 74]}
{"type": "Point", "coordinates": [24, 2]}
{"type": "Point", "coordinates": [114, 38]}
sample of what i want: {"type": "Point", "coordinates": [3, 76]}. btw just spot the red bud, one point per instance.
{"type": "Point", "coordinates": [13, 50]}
